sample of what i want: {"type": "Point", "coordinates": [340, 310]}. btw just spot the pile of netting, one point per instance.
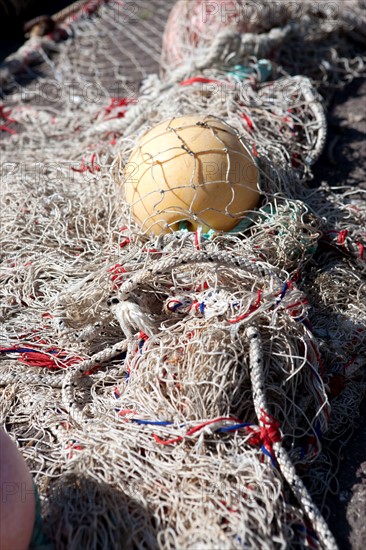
{"type": "Point", "coordinates": [185, 389]}
{"type": "Point", "coordinates": [308, 38]}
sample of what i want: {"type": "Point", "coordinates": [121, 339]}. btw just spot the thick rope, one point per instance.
{"type": "Point", "coordinates": [50, 380]}
{"type": "Point", "coordinates": [70, 381]}
{"type": "Point", "coordinates": [287, 469]}
{"type": "Point", "coordinates": [189, 258]}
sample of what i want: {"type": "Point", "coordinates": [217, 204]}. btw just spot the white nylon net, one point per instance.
{"type": "Point", "coordinates": [130, 374]}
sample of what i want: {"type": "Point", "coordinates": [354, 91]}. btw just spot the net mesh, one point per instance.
{"type": "Point", "coordinates": [172, 390]}
{"type": "Point", "coordinates": [307, 38]}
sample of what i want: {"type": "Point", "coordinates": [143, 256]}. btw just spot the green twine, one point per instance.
{"type": "Point", "coordinates": [266, 213]}
{"type": "Point", "coordinates": [263, 68]}
{"type": "Point", "coordinates": [39, 540]}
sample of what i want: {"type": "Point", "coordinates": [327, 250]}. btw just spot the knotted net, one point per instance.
{"type": "Point", "coordinates": [174, 390]}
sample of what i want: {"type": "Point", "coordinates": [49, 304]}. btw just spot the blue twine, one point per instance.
{"type": "Point", "coordinates": [151, 422]}
{"type": "Point", "coordinates": [317, 430]}
{"type": "Point", "coordinates": [27, 350]}
{"type": "Point", "coordinates": [234, 427]}
{"type": "Point", "coordinates": [307, 324]}
{"type": "Point", "coordinates": [283, 292]}
{"type": "Point", "coordinates": [267, 453]}
{"type": "Point", "coordinates": [303, 529]}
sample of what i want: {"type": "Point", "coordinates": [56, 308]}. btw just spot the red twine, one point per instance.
{"type": "Point", "coordinates": [118, 104]}
{"type": "Point", "coordinates": [199, 80]}
{"type": "Point", "coordinates": [117, 271]}
{"type": "Point", "coordinates": [191, 431]}
{"type": "Point", "coordinates": [342, 236]}
{"type": "Point", "coordinates": [252, 308]}
{"type": "Point", "coordinates": [268, 433]}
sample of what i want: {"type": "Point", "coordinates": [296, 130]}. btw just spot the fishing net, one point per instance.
{"type": "Point", "coordinates": [182, 389]}
{"type": "Point", "coordinates": [307, 38]}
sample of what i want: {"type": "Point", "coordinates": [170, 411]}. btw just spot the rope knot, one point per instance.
{"type": "Point", "coordinates": [268, 433]}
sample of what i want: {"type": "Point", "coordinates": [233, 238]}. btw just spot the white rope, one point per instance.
{"type": "Point", "coordinates": [188, 258]}
{"type": "Point", "coordinates": [51, 380]}
{"type": "Point", "coordinates": [288, 470]}
{"type": "Point", "coordinates": [73, 375]}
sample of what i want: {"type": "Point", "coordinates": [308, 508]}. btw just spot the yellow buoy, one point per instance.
{"type": "Point", "coordinates": [194, 169]}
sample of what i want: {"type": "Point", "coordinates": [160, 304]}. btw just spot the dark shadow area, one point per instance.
{"type": "Point", "coordinates": [343, 160]}
{"type": "Point", "coordinates": [348, 508]}
{"type": "Point", "coordinates": [24, 77]}
{"type": "Point", "coordinates": [11, 25]}
{"type": "Point", "coordinates": [82, 513]}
